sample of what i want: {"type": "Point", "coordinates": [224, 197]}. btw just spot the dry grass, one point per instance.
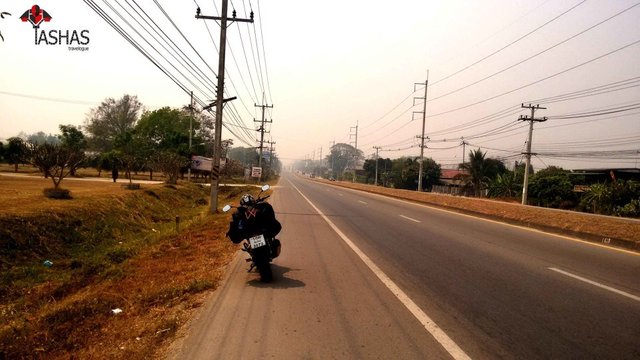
{"type": "Point", "coordinates": [23, 195]}
{"type": "Point", "coordinates": [154, 274]}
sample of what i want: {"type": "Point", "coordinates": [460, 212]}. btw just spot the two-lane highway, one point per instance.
{"type": "Point", "coordinates": [364, 276]}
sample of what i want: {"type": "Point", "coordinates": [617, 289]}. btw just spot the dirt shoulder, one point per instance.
{"type": "Point", "coordinates": [621, 232]}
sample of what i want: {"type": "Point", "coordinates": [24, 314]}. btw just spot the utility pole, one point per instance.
{"type": "Point", "coordinates": [321, 156]}
{"type": "Point", "coordinates": [464, 144]}
{"type": "Point", "coordinates": [271, 149]}
{"type": "Point", "coordinates": [377, 149]}
{"type": "Point", "coordinates": [531, 120]}
{"type": "Point", "coordinates": [424, 118]}
{"type": "Point", "coordinates": [262, 130]}
{"type": "Point", "coordinates": [355, 156]}
{"type": "Point", "coordinates": [191, 109]}
{"type": "Point", "coordinates": [333, 143]}
{"type": "Point", "coordinates": [217, 146]}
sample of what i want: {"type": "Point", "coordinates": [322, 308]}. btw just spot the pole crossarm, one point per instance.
{"type": "Point", "coordinates": [233, 17]}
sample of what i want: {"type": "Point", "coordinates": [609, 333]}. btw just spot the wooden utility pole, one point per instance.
{"type": "Point", "coordinates": [355, 156]}
{"type": "Point", "coordinates": [262, 131]}
{"type": "Point", "coordinates": [377, 149]}
{"type": "Point", "coordinates": [217, 145]}
{"type": "Point", "coordinates": [191, 110]}
{"type": "Point", "coordinates": [532, 119]}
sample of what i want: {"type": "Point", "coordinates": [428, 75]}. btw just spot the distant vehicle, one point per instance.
{"type": "Point", "coordinates": [332, 179]}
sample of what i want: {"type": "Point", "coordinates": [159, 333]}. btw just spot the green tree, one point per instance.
{"type": "Point", "coordinates": [247, 156]}
{"type": "Point", "coordinates": [370, 169]}
{"type": "Point", "coordinates": [111, 119]}
{"type": "Point", "coordinates": [342, 157]}
{"type": "Point", "coordinates": [598, 199]}
{"type": "Point", "coordinates": [167, 129]}
{"type": "Point", "coordinates": [404, 173]}
{"type": "Point", "coordinates": [132, 152]}
{"type": "Point", "coordinates": [552, 187]}
{"type": "Point", "coordinates": [1, 151]}
{"type": "Point", "coordinates": [504, 186]}
{"type": "Point", "coordinates": [16, 152]}
{"type": "Point", "coordinates": [72, 138]}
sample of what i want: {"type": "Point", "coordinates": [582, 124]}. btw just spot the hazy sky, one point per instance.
{"type": "Point", "coordinates": [329, 65]}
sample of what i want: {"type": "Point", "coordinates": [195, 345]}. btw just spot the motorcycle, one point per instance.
{"type": "Point", "coordinates": [254, 221]}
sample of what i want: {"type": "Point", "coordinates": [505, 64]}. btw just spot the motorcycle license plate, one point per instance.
{"type": "Point", "coordinates": [257, 241]}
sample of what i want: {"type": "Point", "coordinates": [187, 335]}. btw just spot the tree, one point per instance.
{"type": "Point", "coordinates": [370, 169]}
{"type": "Point", "coordinates": [41, 138]}
{"type": "Point", "coordinates": [481, 170]}
{"type": "Point", "coordinates": [166, 129]}
{"type": "Point", "coordinates": [131, 151]}
{"type": "Point", "coordinates": [111, 119]}
{"type": "Point", "coordinates": [246, 156]}
{"type": "Point", "coordinates": [57, 161]}
{"type": "Point", "coordinates": [170, 164]}
{"type": "Point", "coordinates": [598, 199]}
{"type": "Point", "coordinates": [74, 139]}
{"type": "Point", "coordinates": [1, 151]}
{"type": "Point", "coordinates": [343, 156]}
{"type": "Point", "coordinates": [504, 186]}
{"type": "Point", "coordinates": [16, 152]}
{"type": "Point", "coordinates": [552, 187]}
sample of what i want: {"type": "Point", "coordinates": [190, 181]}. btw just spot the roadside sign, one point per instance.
{"type": "Point", "coordinates": [256, 172]}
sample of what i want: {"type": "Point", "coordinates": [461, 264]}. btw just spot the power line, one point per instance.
{"type": "Point", "coordinates": [511, 43]}
{"type": "Point", "coordinates": [535, 55]}
{"type": "Point", "coordinates": [538, 81]}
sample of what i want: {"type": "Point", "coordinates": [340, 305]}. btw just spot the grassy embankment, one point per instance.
{"type": "Point", "coordinates": [111, 249]}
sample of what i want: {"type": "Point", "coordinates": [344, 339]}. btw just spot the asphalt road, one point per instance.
{"type": "Point", "coordinates": [363, 276]}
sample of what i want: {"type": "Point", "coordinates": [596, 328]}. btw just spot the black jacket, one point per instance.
{"type": "Point", "coordinates": [251, 221]}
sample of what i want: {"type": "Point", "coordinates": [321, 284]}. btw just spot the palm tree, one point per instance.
{"type": "Point", "coordinates": [476, 168]}
{"type": "Point", "coordinates": [598, 197]}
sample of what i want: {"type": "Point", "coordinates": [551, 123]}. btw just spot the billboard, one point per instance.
{"type": "Point", "coordinates": [202, 163]}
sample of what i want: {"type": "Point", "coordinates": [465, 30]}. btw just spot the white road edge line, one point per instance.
{"type": "Point", "coordinates": [408, 218]}
{"type": "Point", "coordinates": [363, 202]}
{"type": "Point", "coordinates": [449, 345]}
{"type": "Point", "coordinates": [619, 292]}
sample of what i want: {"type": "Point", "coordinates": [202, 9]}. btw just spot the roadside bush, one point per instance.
{"type": "Point", "coordinates": [59, 194]}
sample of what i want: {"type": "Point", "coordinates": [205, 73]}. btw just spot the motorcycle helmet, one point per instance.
{"type": "Point", "coordinates": [247, 200]}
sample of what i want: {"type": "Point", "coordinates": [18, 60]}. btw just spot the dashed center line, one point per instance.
{"type": "Point", "coordinates": [363, 202]}
{"type": "Point", "coordinates": [594, 283]}
{"type": "Point", "coordinates": [408, 218]}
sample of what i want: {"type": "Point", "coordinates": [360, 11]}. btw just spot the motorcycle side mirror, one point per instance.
{"type": "Point", "coordinates": [265, 187]}
{"type": "Point", "coordinates": [226, 208]}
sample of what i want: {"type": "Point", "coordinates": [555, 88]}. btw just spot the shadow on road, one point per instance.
{"type": "Point", "coordinates": [280, 281]}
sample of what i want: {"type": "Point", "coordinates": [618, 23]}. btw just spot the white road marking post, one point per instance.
{"type": "Point", "coordinates": [441, 337]}
{"type": "Point", "coordinates": [594, 283]}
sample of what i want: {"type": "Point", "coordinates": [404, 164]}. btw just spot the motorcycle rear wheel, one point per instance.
{"type": "Point", "coordinates": [264, 268]}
